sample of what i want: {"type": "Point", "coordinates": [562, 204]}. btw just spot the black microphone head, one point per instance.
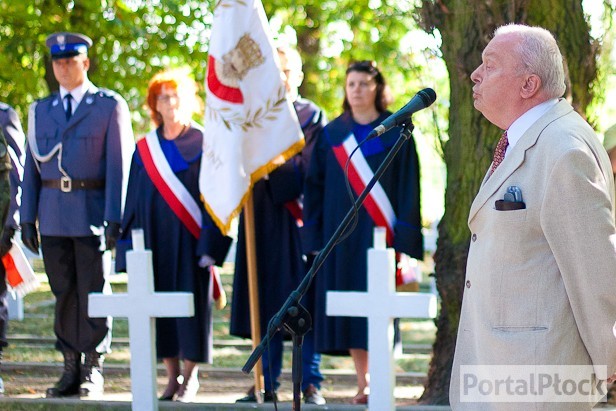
{"type": "Point", "coordinates": [428, 96]}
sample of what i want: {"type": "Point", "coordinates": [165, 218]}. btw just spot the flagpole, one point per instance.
{"type": "Point", "coordinates": [253, 291]}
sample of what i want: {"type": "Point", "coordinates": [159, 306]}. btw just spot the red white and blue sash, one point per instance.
{"type": "Point", "coordinates": [377, 203]}
{"type": "Point", "coordinates": [175, 195]}
{"type": "Point", "coordinates": [169, 186]}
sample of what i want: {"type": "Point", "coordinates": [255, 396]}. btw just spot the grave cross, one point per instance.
{"type": "Point", "coordinates": [141, 305]}
{"type": "Point", "coordinates": [381, 304]}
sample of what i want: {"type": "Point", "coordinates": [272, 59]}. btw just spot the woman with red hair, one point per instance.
{"type": "Point", "coordinates": [164, 201]}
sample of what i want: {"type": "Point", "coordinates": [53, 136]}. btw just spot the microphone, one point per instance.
{"type": "Point", "coordinates": [421, 100]}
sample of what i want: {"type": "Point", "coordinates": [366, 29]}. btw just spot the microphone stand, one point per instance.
{"type": "Point", "coordinates": [292, 315]}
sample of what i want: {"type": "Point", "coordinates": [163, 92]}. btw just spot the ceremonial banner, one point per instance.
{"type": "Point", "coordinates": [250, 125]}
{"type": "Point", "coordinates": [20, 277]}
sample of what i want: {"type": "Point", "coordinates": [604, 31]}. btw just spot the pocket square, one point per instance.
{"type": "Point", "coordinates": [502, 205]}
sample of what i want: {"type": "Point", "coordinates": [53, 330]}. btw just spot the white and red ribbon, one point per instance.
{"type": "Point", "coordinates": [175, 195]}
{"type": "Point", "coordinates": [169, 186]}
{"type": "Point", "coordinates": [377, 203]}
{"type": "Point", "coordinates": [20, 278]}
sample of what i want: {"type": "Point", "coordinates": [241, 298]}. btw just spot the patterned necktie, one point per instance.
{"type": "Point", "coordinates": [499, 152]}
{"type": "Point", "coordinates": [69, 106]}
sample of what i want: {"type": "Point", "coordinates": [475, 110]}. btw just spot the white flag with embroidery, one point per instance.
{"type": "Point", "coordinates": [250, 124]}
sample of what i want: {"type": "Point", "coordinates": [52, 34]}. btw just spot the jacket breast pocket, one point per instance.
{"type": "Point", "coordinates": [501, 216]}
{"type": "Point", "coordinates": [47, 142]}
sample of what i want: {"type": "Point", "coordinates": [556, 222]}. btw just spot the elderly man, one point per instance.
{"type": "Point", "coordinates": [539, 290]}
{"type": "Point", "coordinates": [80, 141]}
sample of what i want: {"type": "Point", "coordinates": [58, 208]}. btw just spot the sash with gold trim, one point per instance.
{"type": "Point", "coordinates": [175, 194]}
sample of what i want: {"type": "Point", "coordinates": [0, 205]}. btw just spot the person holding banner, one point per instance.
{"type": "Point", "coordinates": [164, 200]}
{"type": "Point", "coordinates": [12, 144]}
{"type": "Point", "coordinates": [277, 207]}
{"type": "Point", "coordinates": [79, 144]}
{"type": "Point", "coordinates": [393, 203]}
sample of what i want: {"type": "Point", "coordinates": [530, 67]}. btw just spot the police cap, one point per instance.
{"type": "Point", "coordinates": [64, 44]}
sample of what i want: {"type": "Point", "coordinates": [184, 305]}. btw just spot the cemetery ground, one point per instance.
{"type": "Point", "coordinates": [31, 363]}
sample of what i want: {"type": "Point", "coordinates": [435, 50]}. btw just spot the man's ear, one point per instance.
{"type": "Point", "coordinates": [86, 64]}
{"type": "Point", "coordinates": [531, 86]}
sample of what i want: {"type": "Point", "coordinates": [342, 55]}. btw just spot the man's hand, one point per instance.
{"type": "Point", "coordinates": [5, 240]}
{"type": "Point", "coordinates": [112, 233]}
{"type": "Point", "coordinates": [29, 236]}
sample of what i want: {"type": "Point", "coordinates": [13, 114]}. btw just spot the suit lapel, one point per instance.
{"type": "Point", "coordinates": [515, 158]}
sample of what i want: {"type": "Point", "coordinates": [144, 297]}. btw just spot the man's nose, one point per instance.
{"type": "Point", "coordinates": [475, 75]}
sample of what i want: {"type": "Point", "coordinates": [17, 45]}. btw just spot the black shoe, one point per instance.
{"type": "Point", "coordinates": [68, 384]}
{"type": "Point", "coordinates": [312, 395]}
{"type": "Point", "coordinates": [268, 396]}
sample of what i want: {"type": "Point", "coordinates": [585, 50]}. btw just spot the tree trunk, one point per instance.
{"type": "Point", "coordinates": [466, 27]}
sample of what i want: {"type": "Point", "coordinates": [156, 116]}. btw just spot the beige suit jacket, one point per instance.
{"type": "Point", "coordinates": [540, 285]}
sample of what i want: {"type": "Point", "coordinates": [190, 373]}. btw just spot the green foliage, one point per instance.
{"type": "Point", "coordinates": [132, 40]}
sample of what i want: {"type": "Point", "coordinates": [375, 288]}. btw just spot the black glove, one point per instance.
{"type": "Point", "coordinates": [29, 236]}
{"type": "Point", "coordinates": [5, 241]}
{"type": "Point", "coordinates": [112, 233]}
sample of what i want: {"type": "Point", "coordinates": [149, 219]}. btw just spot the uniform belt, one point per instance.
{"type": "Point", "coordinates": [69, 184]}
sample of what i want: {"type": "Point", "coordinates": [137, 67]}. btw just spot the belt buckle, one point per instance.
{"type": "Point", "coordinates": [66, 184]}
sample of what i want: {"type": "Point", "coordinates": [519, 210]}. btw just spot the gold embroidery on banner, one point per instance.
{"type": "Point", "coordinates": [250, 119]}
{"type": "Point", "coordinates": [225, 226]}
{"type": "Point", "coordinates": [228, 3]}
{"type": "Point", "coordinates": [236, 63]}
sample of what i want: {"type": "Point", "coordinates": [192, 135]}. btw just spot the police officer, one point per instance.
{"type": "Point", "coordinates": [80, 142]}
{"type": "Point", "coordinates": [12, 143]}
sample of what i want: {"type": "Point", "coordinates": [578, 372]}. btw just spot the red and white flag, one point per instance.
{"type": "Point", "coordinates": [250, 124]}
{"type": "Point", "coordinates": [20, 278]}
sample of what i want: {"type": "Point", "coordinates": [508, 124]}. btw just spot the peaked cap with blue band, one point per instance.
{"type": "Point", "coordinates": [63, 44]}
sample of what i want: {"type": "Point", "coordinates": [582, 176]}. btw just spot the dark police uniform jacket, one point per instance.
{"type": "Point", "coordinates": [94, 144]}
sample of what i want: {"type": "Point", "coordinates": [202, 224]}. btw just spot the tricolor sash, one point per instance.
{"type": "Point", "coordinates": [377, 203]}
{"type": "Point", "coordinates": [168, 185]}
{"type": "Point", "coordinates": [176, 196]}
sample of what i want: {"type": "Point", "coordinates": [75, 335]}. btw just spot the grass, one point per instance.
{"type": "Point", "coordinates": [38, 323]}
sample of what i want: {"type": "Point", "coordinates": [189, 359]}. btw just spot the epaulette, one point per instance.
{"type": "Point", "coordinates": [49, 97]}
{"type": "Point", "coordinates": [4, 106]}
{"type": "Point", "coordinates": [104, 92]}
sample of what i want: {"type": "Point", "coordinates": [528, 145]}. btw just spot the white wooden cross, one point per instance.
{"type": "Point", "coordinates": [381, 304]}
{"type": "Point", "coordinates": [141, 305]}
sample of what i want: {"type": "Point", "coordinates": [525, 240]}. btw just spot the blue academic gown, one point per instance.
{"type": "Point", "coordinates": [326, 202]}
{"type": "Point", "coordinates": [175, 251]}
{"type": "Point", "coordinates": [280, 265]}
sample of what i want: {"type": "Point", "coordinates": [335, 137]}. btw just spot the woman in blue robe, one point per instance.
{"type": "Point", "coordinates": [326, 202]}
{"type": "Point", "coordinates": [182, 254]}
